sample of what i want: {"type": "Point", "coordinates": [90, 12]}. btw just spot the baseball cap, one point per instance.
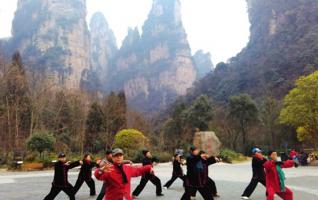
{"type": "Point", "coordinates": [256, 150]}
{"type": "Point", "coordinates": [61, 155]}
{"type": "Point", "coordinates": [118, 151]}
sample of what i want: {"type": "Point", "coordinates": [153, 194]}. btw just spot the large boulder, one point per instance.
{"type": "Point", "coordinates": [207, 141]}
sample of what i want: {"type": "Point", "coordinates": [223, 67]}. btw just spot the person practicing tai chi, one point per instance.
{"type": "Point", "coordinates": [275, 177]}
{"type": "Point", "coordinates": [211, 184]}
{"type": "Point", "coordinates": [85, 175]}
{"type": "Point", "coordinates": [148, 161]}
{"type": "Point", "coordinates": [107, 160]}
{"type": "Point", "coordinates": [197, 175]}
{"type": "Point", "coordinates": [60, 181]}
{"type": "Point", "coordinates": [117, 176]}
{"type": "Point", "coordinates": [258, 173]}
{"type": "Point", "coordinates": [177, 171]}
{"type": "Point", "coordinates": [102, 163]}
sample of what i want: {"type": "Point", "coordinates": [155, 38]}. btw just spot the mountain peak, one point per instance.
{"type": "Point", "coordinates": [167, 9]}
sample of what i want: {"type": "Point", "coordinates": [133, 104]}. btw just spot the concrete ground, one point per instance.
{"type": "Point", "coordinates": [231, 180]}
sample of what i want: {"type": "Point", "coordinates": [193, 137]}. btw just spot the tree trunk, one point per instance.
{"type": "Point", "coordinates": [9, 122]}
{"type": "Point", "coordinates": [31, 123]}
{"type": "Point", "coordinates": [16, 127]}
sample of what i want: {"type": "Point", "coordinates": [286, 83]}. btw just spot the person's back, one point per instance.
{"type": "Point", "coordinates": [177, 169]}
{"type": "Point", "coordinates": [192, 171]}
{"type": "Point", "coordinates": [258, 168]}
{"type": "Point", "coordinates": [61, 171]}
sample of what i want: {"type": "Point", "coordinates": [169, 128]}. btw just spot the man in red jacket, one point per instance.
{"type": "Point", "coordinates": [117, 176]}
{"type": "Point", "coordinates": [275, 177]}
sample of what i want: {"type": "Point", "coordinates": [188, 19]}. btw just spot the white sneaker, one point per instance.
{"type": "Point", "coordinates": [165, 187]}
{"type": "Point", "coordinates": [244, 197]}
{"type": "Point", "coordinates": [192, 198]}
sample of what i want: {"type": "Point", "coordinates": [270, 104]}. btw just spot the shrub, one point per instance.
{"type": "Point", "coordinates": [130, 140]}
{"type": "Point", "coordinates": [228, 155]}
{"type": "Point", "coordinates": [163, 156]}
{"type": "Point", "coordinates": [41, 142]}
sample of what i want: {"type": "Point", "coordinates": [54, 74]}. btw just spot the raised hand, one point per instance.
{"type": "Point", "coordinates": [107, 168]}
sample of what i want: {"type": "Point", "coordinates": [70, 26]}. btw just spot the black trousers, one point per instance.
{"type": "Point", "coordinates": [102, 192]}
{"type": "Point", "coordinates": [144, 180]}
{"type": "Point", "coordinates": [173, 178]}
{"type": "Point", "coordinates": [90, 183]}
{"type": "Point", "coordinates": [251, 187]}
{"type": "Point", "coordinates": [205, 193]}
{"type": "Point", "coordinates": [211, 188]}
{"type": "Point", "coordinates": [56, 190]}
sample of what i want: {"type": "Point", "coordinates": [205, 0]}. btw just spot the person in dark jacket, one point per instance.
{"type": "Point", "coordinates": [85, 175]}
{"type": "Point", "coordinates": [107, 159]}
{"type": "Point", "coordinates": [258, 173]}
{"type": "Point", "coordinates": [148, 160]}
{"type": "Point", "coordinates": [197, 175]}
{"type": "Point", "coordinates": [60, 181]}
{"type": "Point", "coordinates": [177, 171]}
{"type": "Point", "coordinates": [211, 184]}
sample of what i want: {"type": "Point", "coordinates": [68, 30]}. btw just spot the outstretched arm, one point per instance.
{"type": "Point", "coordinates": [138, 171]}
{"type": "Point", "coordinates": [211, 160]}
{"type": "Point", "coordinates": [288, 164]}
{"type": "Point", "coordinates": [74, 164]}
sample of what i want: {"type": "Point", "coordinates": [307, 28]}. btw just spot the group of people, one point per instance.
{"type": "Point", "coordinates": [116, 174]}
{"type": "Point", "coordinates": [269, 173]}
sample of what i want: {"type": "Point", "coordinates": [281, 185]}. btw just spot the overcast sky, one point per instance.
{"type": "Point", "coordinates": [218, 26]}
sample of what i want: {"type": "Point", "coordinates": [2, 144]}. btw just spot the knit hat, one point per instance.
{"type": "Point", "coordinates": [109, 151]}
{"type": "Point", "coordinates": [61, 155]}
{"type": "Point", "coordinates": [193, 148]}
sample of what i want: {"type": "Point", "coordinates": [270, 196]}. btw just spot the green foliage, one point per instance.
{"type": "Point", "coordinates": [184, 119]}
{"type": "Point", "coordinates": [130, 140]}
{"type": "Point", "coordinates": [94, 120]}
{"type": "Point", "coordinates": [200, 113]}
{"type": "Point", "coordinates": [269, 114]}
{"type": "Point", "coordinates": [243, 110]}
{"type": "Point", "coordinates": [41, 141]}
{"type": "Point", "coordinates": [229, 156]}
{"type": "Point", "coordinates": [301, 108]}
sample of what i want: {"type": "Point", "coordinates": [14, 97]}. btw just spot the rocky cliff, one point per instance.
{"type": "Point", "coordinates": [203, 63]}
{"type": "Point", "coordinates": [156, 66]}
{"type": "Point", "coordinates": [52, 36]}
{"type": "Point", "coordinates": [103, 45]}
{"type": "Point", "coordinates": [283, 46]}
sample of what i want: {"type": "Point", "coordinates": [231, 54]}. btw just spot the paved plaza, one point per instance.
{"type": "Point", "coordinates": [231, 180]}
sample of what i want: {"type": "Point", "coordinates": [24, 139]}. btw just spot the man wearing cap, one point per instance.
{"type": "Point", "coordinates": [60, 181]}
{"type": "Point", "coordinates": [107, 160]}
{"type": "Point", "coordinates": [258, 173]}
{"type": "Point", "coordinates": [197, 177]}
{"type": "Point", "coordinates": [148, 161]}
{"type": "Point", "coordinates": [117, 176]}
